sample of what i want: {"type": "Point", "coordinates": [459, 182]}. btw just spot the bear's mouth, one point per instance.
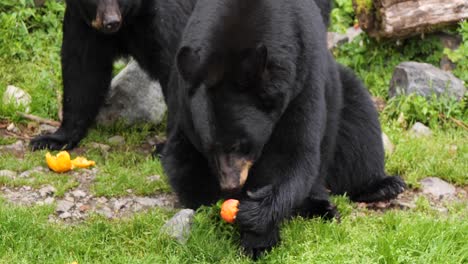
{"type": "Point", "coordinates": [232, 171]}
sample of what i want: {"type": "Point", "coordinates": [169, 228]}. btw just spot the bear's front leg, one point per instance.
{"type": "Point", "coordinates": [263, 209]}
{"type": "Point", "coordinates": [87, 59]}
{"type": "Point", "coordinates": [188, 172]}
{"type": "Point", "coordinates": [256, 219]}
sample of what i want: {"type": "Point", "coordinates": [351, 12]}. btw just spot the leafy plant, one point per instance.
{"type": "Point", "coordinates": [342, 15]}
{"type": "Point", "coordinates": [460, 56]}
{"type": "Point", "coordinates": [436, 111]}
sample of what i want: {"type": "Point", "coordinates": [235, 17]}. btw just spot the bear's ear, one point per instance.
{"type": "Point", "coordinates": [254, 62]}
{"type": "Point", "coordinates": [188, 63]}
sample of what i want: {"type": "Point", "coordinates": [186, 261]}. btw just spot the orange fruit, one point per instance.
{"type": "Point", "coordinates": [82, 163]}
{"type": "Point", "coordinates": [59, 163]}
{"type": "Point", "coordinates": [229, 210]}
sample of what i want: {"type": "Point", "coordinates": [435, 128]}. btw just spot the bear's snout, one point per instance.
{"type": "Point", "coordinates": [108, 16]}
{"type": "Point", "coordinates": [232, 171]}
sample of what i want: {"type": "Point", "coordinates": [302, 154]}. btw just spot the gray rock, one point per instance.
{"type": "Point", "coordinates": [65, 215]}
{"type": "Point", "coordinates": [420, 130]}
{"type": "Point", "coordinates": [119, 204]}
{"type": "Point", "coordinates": [18, 97]}
{"type": "Point", "coordinates": [388, 145]}
{"type": "Point", "coordinates": [437, 187]}
{"type": "Point", "coordinates": [180, 225]}
{"type": "Point", "coordinates": [8, 174]}
{"type": "Point", "coordinates": [64, 206]}
{"type": "Point", "coordinates": [12, 128]}
{"type": "Point", "coordinates": [106, 212]}
{"type": "Point", "coordinates": [148, 202]}
{"type": "Point", "coordinates": [134, 97]}
{"type": "Point", "coordinates": [116, 140]}
{"type": "Point", "coordinates": [100, 146]}
{"type": "Point", "coordinates": [28, 173]}
{"type": "Point", "coordinates": [47, 129]}
{"type": "Point", "coordinates": [78, 194]}
{"type": "Point", "coordinates": [47, 191]}
{"type": "Point", "coordinates": [153, 178]}
{"type": "Point", "coordinates": [49, 200]}
{"type": "Point", "coordinates": [424, 79]}
{"type": "Point", "coordinates": [16, 147]}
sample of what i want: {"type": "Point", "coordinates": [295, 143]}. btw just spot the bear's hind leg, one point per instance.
{"type": "Point", "coordinates": [383, 189]}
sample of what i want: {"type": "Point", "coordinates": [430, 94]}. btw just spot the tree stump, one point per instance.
{"type": "Point", "coordinates": [404, 18]}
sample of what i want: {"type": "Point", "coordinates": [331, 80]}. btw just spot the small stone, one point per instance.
{"type": "Point", "coordinates": [154, 178]}
{"type": "Point", "coordinates": [102, 147]}
{"type": "Point", "coordinates": [26, 188]}
{"type": "Point", "coordinates": [180, 225]}
{"type": "Point", "coordinates": [28, 173]}
{"type": "Point", "coordinates": [64, 206]}
{"type": "Point", "coordinates": [437, 187]}
{"type": "Point", "coordinates": [453, 149]}
{"type": "Point", "coordinates": [148, 202]}
{"type": "Point", "coordinates": [136, 207]}
{"type": "Point", "coordinates": [102, 200]}
{"type": "Point", "coordinates": [47, 191]}
{"type": "Point", "coordinates": [49, 200]}
{"type": "Point", "coordinates": [65, 215]}
{"type": "Point", "coordinates": [420, 130]}
{"type": "Point", "coordinates": [78, 194]}
{"type": "Point", "coordinates": [116, 140]}
{"type": "Point", "coordinates": [129, 191]}
{"type": "Point", "coordinates": [18, 97]}
{"type": "Point", "coordinates": [16, 148]}
{"type": "Point", "coordinates": [47, 129]}
{"type": "Point", "coordinates": [8, 174]}
{"type": "Point", "coordinates": [84, 208]}
{"type": "Point", "coordinates": [118, 205]}
{"type": "Point", "coordinates": [105, 211]}
{"type": "Point", "coordinates": [388, 145]}
{"type": "Point", "coordinates": [11, 127]}
{"type": "Point", "coordinates": [69, 198]}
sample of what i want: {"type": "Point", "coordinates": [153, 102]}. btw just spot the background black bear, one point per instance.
{"type": "Point", "coordinates": [97, 32]}
{"type": "Point", "coordinates": [260, 111]}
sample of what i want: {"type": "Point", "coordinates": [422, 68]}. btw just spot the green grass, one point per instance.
{"type": "Point", "coordinates": [417, 158]}
{"type": "Point", "coordinates": [393, 237]}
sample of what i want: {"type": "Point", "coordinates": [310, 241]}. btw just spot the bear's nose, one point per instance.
{"type": "Point", "coordinates": [112, 25]}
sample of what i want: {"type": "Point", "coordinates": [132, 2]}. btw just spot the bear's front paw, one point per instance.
{"type": "Point", "coordinates": [256, 212]}
{"type": "Point", "coordinates": [56, 141]}
{"type": "Point", "coordinates": [255, 245]}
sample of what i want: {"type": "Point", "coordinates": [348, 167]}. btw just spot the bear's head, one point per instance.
{"type": "Point", "coordinates": [105, 16]}
{"type": "Point", "coordinates": [232, 110]}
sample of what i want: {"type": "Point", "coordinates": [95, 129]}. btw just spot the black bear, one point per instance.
{"type": "Point", "coordinates": [95, 33]}
{"type": "Point", "coordinates": [260, 111]}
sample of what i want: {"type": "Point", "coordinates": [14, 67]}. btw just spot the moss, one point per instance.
{"type": "Point", "coordinates": [363, 6]}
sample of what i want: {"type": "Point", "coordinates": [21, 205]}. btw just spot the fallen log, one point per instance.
{"type": "Point", "coordinates": [405, 18]}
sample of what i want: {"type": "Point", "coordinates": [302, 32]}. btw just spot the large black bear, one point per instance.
{"type": "Point", "coordinates": [260, 111]}
{"type": "Point", "coordinates": [95, 33]}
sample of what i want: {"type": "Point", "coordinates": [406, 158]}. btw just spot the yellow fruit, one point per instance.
{"type": "Point", "coordinates": [59, 163]}
{"type": "Point", "coordinates": [82, 162]}
{"type": "Point", "coordinates": [229, 210]}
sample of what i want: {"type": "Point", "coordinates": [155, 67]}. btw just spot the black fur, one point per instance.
{"type": "Point", "coordinates": [149, 32]}
{"type": "Point", "coordinates": [255, 83]}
